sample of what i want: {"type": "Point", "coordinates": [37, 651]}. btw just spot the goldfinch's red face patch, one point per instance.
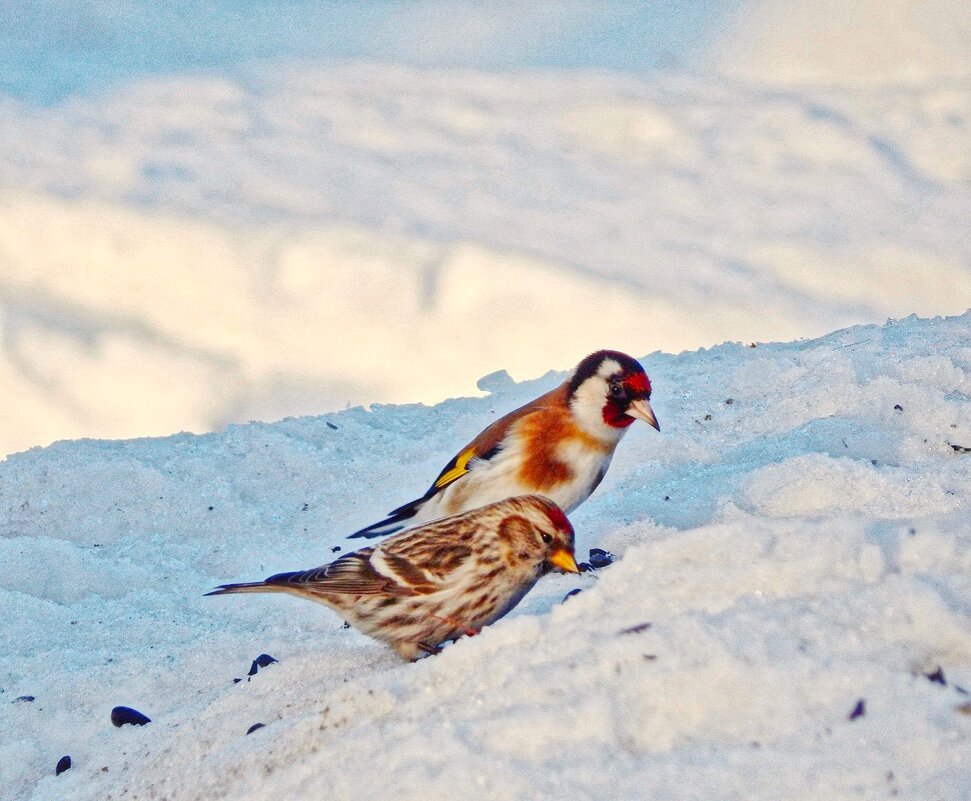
{"type": "Point", "coordinates": [610, 388]}
{"type": "Point", "coordinates": [627, 391]}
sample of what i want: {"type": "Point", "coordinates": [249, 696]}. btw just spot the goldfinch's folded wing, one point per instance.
{"type": "Point", "coordinates": [489, 442]}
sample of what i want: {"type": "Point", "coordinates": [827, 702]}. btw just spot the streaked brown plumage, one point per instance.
{"type": "Point", "coordinates": [436, 582]}
{"type": "Point", "coordinates": [558, 445]}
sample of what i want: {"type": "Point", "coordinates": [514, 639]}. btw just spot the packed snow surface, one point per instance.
{"type": "Point", "coordinates": [787, 618]}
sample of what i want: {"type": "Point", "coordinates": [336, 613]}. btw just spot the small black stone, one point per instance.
{"type": "Point", "coordinates": [254, 727]}
{"type": "Point", "coordinates": [63, 764]}
{"type": "Point", "coordinates": [873, 462]}
{"type": "Point", "coordinates": [331, 425]}
{"type": "Point", "coordinates": [237, 680]}
{"type": "Point", "coordinates": [729, 401]}
{"type": "Point", "coordinates": [859, 710]}
{"type": "Point", "coordinates": [667, 497]}
{"type": "Point", "coordinates": [571, 593]}
{"type": "Point", "coordinates": [898, 407]}
{"type": "Point", "coordinates": [707, 417]}
{"type": "Point", "coordinates": [262, 661]}
{"type": "Point", "coordinates": [635, 629]}
{"type": "Point", "coordinates": [305, 507]}
{"type": "Point", "coordinates": [937, 677]}
{"type": "Point", "coordinates": [210, 508]}
{"type": "Point", "coordinates": [585, 567]}
{"type": "Point", "coordinates": [121, 715]}
{"type": "Point", "coordinates": [335, 549]}
{"type": "Point", "coordinates": [23, 699]}
{"type": "Point", "coordinates": [600, 558]}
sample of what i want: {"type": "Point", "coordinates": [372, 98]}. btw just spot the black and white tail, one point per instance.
{"type": "Point", "coordinates": [395, 521]}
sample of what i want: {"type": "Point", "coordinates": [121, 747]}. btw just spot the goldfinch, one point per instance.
{"type": "Point", "coordinates": [438, 581]}
{"type": "Point", "coordinates": [558, 445]}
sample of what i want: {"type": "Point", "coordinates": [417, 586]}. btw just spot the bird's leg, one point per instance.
{"type": "Point", "coordinates": [468, 631]}
{"type": "Point", "coordinates": [429, 649]}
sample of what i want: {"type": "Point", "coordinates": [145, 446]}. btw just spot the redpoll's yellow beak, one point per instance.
{"type": "Point", "coordinates": [642, 410]}
{"type": "Point", "coordinates": [561, 558]}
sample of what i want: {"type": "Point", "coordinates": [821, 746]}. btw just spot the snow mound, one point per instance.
{"type": "Point", "coordinates": [789, 608]}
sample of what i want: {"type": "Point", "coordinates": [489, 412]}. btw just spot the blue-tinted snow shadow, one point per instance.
{"type": "Point", "coordinates": [687, 494]}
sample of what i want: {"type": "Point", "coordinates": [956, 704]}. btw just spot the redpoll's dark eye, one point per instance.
{"type": "Point", "coordinates": [547, 538]}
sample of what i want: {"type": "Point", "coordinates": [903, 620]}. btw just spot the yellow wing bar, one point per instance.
{"type": "Point", "coordinates": [460, 468]}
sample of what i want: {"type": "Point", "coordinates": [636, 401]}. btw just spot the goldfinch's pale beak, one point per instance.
{"type": "Point", "coordinates": [642, 410]}
{"type": "Point", "coordinates": [561, 558]}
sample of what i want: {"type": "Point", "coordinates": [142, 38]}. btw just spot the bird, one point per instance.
{"type": "Point", "coordinates": [558, 445]}
{"type": "Point", "coordinates": [437, 582]}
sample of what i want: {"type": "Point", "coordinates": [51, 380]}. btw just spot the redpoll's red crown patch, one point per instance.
{"type": "Point", "coordinates": [559, 519]}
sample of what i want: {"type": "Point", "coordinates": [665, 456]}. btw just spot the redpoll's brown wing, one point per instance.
{"type": "Point", "coordinates": [353, 574]}
{"type": "Point", "coordinates": [432, 553]}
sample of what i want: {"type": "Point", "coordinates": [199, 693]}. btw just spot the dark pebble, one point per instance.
{"type": "Point", "coordinates": [335, 549]}
{"type": "Point", "coordinates": [600, 558]}
{"type": "Point", "coordinates": [121, 715]}
{"type": "Point", "coordinates": [667, 497]}
{"type": "Point", "coordinates": [873, 462]}
{"type": "Point", "coordinates": [305, 507]}
{"type": "Point", "coordinates": [571, 593]}
{"type": "Point", "coordinates": [23, 699]}
{"type": "Point", "coordinates": [898, 407]}
{"type": "Point", "coordinates": [707, 417]}
{"type": "Point", "coordinates": [210, 508]}
{"type": "Point", "coordinates": [237, 680]}
{"type": "Point", "coordinates": [729, 401]}
{"type": "Point", "coordinates": [63, 764]}
{"type": "Point", "coordinates": [331, 425]}
{"type": "Point", "coordinates": [937, 677]}
{"type": "Point", "coordinates": [859, 710]}
{"type": "Point", "coordinates": [254, 727]}
{"type": "Point", "coordinates": [585, 567]}
{"type": "Point", "coordinates": [262, 661]}
{"type": "Point", "coordinates": [635, 629]}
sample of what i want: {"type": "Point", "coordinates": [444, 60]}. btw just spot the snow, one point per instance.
{"type": "Point", "coordinates": [796, 542]}
{"type": "Point", "coordinates": [184, 252]}
{"type": "Point", "coordinates": [213, 212]}
{"type": "Point", "coordinates": [846, 41]}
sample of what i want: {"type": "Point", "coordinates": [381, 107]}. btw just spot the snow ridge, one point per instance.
{"type": "Point", "coordinates": [796, 539]}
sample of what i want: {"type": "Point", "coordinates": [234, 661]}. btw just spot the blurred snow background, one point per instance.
{"type": "Point", "coordinates": [216, 212]}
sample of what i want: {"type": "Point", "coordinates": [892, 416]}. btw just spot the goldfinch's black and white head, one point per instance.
{"type": "Point", "coordinates": [608, 391]}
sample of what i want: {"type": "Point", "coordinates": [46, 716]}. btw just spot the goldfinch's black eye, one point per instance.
{"type": "Point", "coordinates": [617, 390]}
{"type": "Point", "coordinates": [547, 538]}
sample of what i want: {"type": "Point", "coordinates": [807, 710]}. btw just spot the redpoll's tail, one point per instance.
{"type": "Point", "coordinates": [252, 586]}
